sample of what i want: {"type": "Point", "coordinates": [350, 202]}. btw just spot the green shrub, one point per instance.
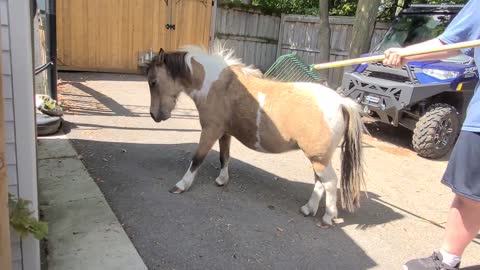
{"type": "Point", "coordinates": [22, 221]}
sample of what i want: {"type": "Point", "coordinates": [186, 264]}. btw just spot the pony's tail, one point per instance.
{"type": "Point", "coordinates": [352, 175]}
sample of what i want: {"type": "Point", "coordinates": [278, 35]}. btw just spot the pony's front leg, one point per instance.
{"type": "Point", "coordinates": [207, 139]}
{"type": "Point", "coordinates": [224, 142]}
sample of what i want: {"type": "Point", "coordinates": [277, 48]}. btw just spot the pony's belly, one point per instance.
{"type": "Point", "coordinates": [266, 143]}
{"type": "Point", "coordinates": [269, 143]}
{"type": "Point", "coordinates": [246, 138]}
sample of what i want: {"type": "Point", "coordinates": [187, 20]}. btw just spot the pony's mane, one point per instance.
{"type": "Point", "coordinates": [223, 54]}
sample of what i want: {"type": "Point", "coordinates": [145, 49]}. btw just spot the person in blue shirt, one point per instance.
{"type": "Point", "coordinates": [463, 170]}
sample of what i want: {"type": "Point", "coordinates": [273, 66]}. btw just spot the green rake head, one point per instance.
{"type": "Point", "coordinates": [288, 68]}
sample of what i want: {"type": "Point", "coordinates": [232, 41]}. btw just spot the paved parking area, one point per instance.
{"type": "Point", "coordinates": [253, 222]}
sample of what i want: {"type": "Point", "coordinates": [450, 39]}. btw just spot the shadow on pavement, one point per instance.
{"type": "Point", "coordinates": [252, 223]}
{"type": "Point", "coordinates": [68, 126]}
{"type": "Point", "coordinates": [400, 137]}
{"type": "Point", "coordinates": [79, 76]}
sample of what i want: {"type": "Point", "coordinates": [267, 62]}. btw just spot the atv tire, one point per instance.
{"type": "Point", "coordinates": [436, 131]}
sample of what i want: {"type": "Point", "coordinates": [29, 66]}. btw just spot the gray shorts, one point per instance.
{"type": "Point", "coordinates": [463, 170]}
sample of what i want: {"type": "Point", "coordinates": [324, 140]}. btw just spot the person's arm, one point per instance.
{"type": "Point", "coordinates": [393, 55]}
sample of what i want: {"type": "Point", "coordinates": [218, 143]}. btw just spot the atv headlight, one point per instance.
{"type": "Point", "coordinates": [440, 74]}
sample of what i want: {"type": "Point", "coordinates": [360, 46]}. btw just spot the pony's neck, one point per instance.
{"type": "Point", "coordinates": [205, 70]}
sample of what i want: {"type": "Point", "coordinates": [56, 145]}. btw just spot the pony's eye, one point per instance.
{"type": "Point", "coordinates": [153, 83]}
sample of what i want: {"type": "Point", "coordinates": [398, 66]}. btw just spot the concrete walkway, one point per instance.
{"type": "Point", "coordinates": [83, 231]}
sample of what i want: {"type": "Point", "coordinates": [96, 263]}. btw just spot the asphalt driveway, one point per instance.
{"type": "Point", "coordinates": [253, 222]}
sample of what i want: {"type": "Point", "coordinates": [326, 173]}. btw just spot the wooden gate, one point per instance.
{"type": "Point", "coordinates": [107, 35]}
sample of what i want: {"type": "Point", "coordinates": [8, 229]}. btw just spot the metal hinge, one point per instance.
{"type": "Point", "coordinates": [170, 26]}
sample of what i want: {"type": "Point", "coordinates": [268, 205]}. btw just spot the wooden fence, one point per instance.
{"type": "Point", "coordinates": [259, 39]}
{"type": "Point", "coordinates": [108, 35]}
{"type": "Point", "coordinates": [253, 35]}
{"type": "Point", "coordinates": [299, 34]}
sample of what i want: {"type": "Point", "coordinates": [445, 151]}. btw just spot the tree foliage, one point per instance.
{"type": "Point", "coordinates": [386, 12]}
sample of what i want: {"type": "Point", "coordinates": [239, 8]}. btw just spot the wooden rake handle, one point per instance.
{"type": "Point", "coordinates": [376, 58]}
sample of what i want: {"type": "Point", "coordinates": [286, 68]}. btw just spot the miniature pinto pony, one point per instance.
{"type": "Point", "coordinates": [266, 116]}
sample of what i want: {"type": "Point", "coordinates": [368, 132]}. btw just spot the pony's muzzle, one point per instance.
{"type": "Point", "coordinates": [160, 116]}
{"type": "Point", "coordinates": [155, 118]}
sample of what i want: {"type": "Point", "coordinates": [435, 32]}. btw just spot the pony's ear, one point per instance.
{"type": "Point", "coordinates": [160, 57]}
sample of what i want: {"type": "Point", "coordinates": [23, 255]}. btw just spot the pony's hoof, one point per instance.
{"type": "Point", "coordinates": [323, 225]}
{"type": "Point", "coordinates": [220, 181]}
{"type": "Point", "coordinates": [305, 210]}
{"type": "Point", "coordinates": [176, 190]}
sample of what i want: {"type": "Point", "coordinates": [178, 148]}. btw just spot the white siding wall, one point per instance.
{"type": "Point", "coordinates": [9, 123]}
{"type": "Point", "coordinates": [19, 119]}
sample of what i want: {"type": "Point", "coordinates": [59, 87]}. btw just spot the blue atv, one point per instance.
{"type": "Point", "coordinates": [428, 97]}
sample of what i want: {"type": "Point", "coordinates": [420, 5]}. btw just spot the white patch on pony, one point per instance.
{"type": "Point", "coordinates": [261, 101]}
{"type": "Point", "coordinates": [330, 102]}
{"type": "Point", "coordinates": [187, 179]}
{"type": "Point", "coordinates": [213, 65]}
{"type": "Point", "coordinates": [223, 178]}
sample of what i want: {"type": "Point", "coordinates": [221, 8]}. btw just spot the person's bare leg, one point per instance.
{"type": "Point", "coordinates": [462, 226]}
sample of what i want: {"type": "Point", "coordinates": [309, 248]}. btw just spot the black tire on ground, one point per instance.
{"type": "Point", "coordinates": [47, 125]}
{"type": "Point", "coordinates": [436, 132]}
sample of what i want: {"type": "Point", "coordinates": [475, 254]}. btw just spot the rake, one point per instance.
{"type": "Point", "coordinates": [377, 58]}
{"type": "Point", "coordinates": [288, 68]}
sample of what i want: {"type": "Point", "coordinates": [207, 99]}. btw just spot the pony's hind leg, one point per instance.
{"type": "Point", "coordinates": [325, 181]}
{"type": "Point", "coordinates": [207, 139]}
{"type": "Point", "coordinates": [329, 179]}
{"type": "Point", "coordinates": [312, 205]}
{"type": "Point", "coordinates": [224, 142]}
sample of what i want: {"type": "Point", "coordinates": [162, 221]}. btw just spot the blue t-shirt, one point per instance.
{"type": "Point", "coordinates": [464, 27]}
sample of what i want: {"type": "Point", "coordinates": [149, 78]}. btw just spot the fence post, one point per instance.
{"type": "Point", "coordinates": [280, 35]}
